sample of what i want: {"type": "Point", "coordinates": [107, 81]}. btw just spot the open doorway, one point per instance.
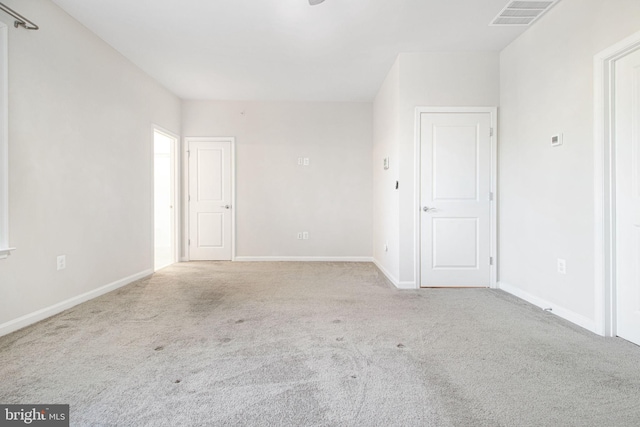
{"type": "Point", "coordinates": [164, 197]}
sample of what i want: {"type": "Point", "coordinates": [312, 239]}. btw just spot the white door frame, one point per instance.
{"type": "Point", "coordinates": [232, 141]}
{"type": "Point", "coordinates": [605, 172]}
{"type": "Point", "coordinates": [494, 159]}
{"type": "Point", "coordinates": [5, 249]}
{"type": "Point", "coordinates": [176, 186]}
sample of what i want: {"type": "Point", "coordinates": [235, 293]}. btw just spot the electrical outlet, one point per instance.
{"type": "Point", "coordinates": [61, 262]}
{"type": "Point", "coordinates": [300, 236]}
{"type": "Point", "coordinates": [562, 266]}
{"type": "Point", "coordinates": [305, 235]}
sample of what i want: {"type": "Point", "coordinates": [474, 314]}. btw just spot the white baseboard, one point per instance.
{"type": "Point", "coordinates": [559, 311]}
{"type": "Point", "coordinates": [393, 279]}
{"type": "Point", "coordinates": [36, 316]}
{"type": "Point", "coordinates": [302, 259]}
{"type": "Point", "coordinates": [407, 285]}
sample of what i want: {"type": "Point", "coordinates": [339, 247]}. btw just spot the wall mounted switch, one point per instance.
{"type": "Point", "coordinates": [562, 266]}
{"type": "Point", "coordinates": [61, 262]}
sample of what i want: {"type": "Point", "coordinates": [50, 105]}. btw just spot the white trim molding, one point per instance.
{"type": "Point", "coordinates": [604, 185]}
{"type": "Point", "coordinates": [5, 252]}
{"type": "Point", "coordinates": [406, 286]}
{"type": "Point", "coordinates": [559, 311]}
{"type": "Point", "coordinates": [493, 251]}
{"type": "Point", "coordinates": [36, 316]}
{"type": "Point", "coordinates": [5, 249]}
{"type": "Point", "coordinates": [393, 279]}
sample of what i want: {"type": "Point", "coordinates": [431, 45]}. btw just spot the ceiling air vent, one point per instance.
{"type": "Point", "coordinates": [522, 13]}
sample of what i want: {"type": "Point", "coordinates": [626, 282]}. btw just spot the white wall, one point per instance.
{"type": "Point", "coordinates": [80, 157]}
{"type": "Point", "coordinates": [433, 80]}
{"type": "Point", "coordinates": [386, 134]}
{"type": "Point", "coordinates": [465, 79]}
{"type": "Point", "coordinates": [331, 198]}
{"type": "Point", "coordinates": [546, 194]}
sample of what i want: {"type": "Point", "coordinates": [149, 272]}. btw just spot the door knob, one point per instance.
{"type": "Point", "coordinates": [428, 209]}
{"type": "Point", "coordinates": [226, 206]}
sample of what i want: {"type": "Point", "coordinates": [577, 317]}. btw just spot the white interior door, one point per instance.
{"type": "Point", "coordinates": [627, 143]}
{"type": "Point", "coordinates": [210, 200]}
{"type": "Point", "coordinates": [164, 192]}
{"type": "Point", "coordinates": [455, 199]}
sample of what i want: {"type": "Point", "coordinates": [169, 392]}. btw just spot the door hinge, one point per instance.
{"type": "Point", "coordinates": [491, 196]}
{"type": "Point", "coordinates": [490, 260]}
{"type": "Point", "coordinates": [490, 131]}
{"type": "Point", "coordinates": [189, 242]}
{"type": "Point", "coordinates": [189, 198]}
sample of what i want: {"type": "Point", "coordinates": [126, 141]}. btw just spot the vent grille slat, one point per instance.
{"type": "Point", "coordinates": [513, 21]}
{"type": "Point", "coordinates": [530, 4]}
{"type": "Point", "coordinates": [522, 13]}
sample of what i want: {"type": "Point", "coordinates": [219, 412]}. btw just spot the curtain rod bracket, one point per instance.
{"type": "Point", "coordinates": [20, 21]}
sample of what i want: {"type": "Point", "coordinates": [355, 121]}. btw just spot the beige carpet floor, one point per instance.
{"type": "Point", "coordinates": [316, 344]}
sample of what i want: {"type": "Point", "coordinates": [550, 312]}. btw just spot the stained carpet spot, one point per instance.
{"type": "Point", "coordinates": [159, 348]}
{"type": "Point", "coordinates": [340, 339]}
{"type": "Point", "coordinates": [337, 321]}
{"type": "Point", "coordinates": [225, 340]}
{"type": "Point", "coordinates": [401, 345]}
{"type": "Point", "coordinates": [177, 381]}
{"type": "Point", "coordinates": [240, 321]}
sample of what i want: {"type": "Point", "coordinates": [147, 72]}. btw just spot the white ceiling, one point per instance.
{"type": "Point", "coordinates": [340, 50]}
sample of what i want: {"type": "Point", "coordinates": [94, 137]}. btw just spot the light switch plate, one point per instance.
{"type": "Point", "coordinates": [61, 262]}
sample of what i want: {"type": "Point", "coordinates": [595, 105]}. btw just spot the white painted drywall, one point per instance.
{"type": "Point", "coordinates": [80, 159]}
{"type": "Point", "coordinates": [432, 80]}
{"type": "Point", "coordinates": [275, 197]}
{"type": "Point", "coordinates": [386, 134]}
{"type": "Point", "coordinates": [466, 79]}
{"type": "Point", "coordinates": [546, 208]}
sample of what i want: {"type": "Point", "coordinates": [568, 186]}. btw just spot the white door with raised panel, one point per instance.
{"type": "Point", "coordinates": [455, 211]}
{"type": "Point", "coordinates": [209, 200]}
{"type": "Point", "coordinates": [627, 145]}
